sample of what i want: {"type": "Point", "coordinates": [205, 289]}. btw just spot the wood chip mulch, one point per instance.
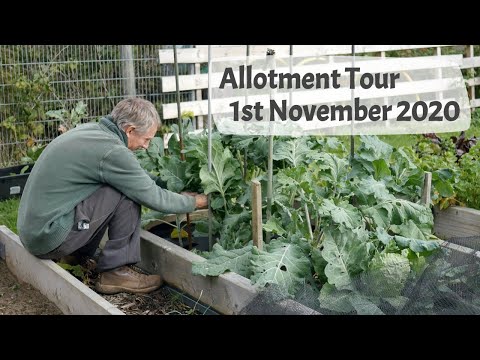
{"type": "Point", "coordinates": [159, 302]}
{"type": "Point", "coordinates": [163, 301]}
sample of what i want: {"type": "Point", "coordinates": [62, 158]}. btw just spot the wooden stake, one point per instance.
{"type": "Point", "coordinates": [257, 230]}
{"type": "Point", "coordinates": [427, 188]}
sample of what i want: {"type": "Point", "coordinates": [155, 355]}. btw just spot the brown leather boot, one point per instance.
{"type": "Point", "coordinates": [125, 279]}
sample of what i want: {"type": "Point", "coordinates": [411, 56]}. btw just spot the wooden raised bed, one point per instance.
{"type": "Point", "coordinates": [69, 294]}
{"type": "Point", "coordinates": [228, 293]}
{"type": "Point", "coordinates": [455, 222]}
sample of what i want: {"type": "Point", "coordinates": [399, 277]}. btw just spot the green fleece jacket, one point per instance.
{"type": "Point", "coordinates": [72, 167]}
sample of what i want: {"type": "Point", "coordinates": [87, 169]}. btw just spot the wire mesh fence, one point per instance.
{"type": "Point", "coordinates": [43, 86]}
{"type": "Point", "coordinates": [36, 80]}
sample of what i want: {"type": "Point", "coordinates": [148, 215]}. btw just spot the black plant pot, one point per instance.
{"type": "Point", "coordinates": [12, 182]}
{"type": "Point", "coordinates": [164, 231]}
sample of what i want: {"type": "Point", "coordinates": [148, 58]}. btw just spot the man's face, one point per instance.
{"type": "Point", "coordinates": [139, 141]}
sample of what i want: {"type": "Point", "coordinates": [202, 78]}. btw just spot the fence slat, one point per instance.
{"type": "Point", "coordinates": [200, 81]}
{"type": "Point", "coordinates": [200, 53]}
{"type": "Point", "coordinates": [470, 62]}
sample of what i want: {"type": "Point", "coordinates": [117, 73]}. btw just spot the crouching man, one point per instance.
{"type": "Point", "coordinates": [88, 180]}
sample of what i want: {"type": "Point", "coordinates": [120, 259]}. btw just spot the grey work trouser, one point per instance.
{"type": "Point", "coordinates": [106, 207]}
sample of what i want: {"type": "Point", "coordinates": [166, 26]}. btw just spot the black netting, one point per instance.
{"type": "Point", "coordinates": [273, 300]}
{"type": "Point", "coordinates": [445, 283]}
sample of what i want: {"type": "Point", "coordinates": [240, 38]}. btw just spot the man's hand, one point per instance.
{"type": "Point", "coordinates": [201, 201]}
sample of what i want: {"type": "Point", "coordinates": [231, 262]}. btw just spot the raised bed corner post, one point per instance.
{"type": "Point", "coordinates": [271, 66]}
{"type": "Point", "coordinates": [245, 157]}
{"type": "Point", "coordinates": [352, 139]}
{"type": "Point", "coordinates": [182, 155]}
{"type": "Point", "coordinates": [209, 128]}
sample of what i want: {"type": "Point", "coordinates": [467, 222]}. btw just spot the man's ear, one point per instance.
{"type": "Point", "coordinates": [129, 129]}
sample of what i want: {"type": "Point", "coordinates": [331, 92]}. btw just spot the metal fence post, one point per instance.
{"type": "Point", "coordinates": [128, 70]}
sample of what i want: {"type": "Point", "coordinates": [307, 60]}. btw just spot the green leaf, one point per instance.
{"type": "Point", "coordinates": [173, 145]}
{"type": "Point", "coordinates": [404, 210]}
{"type": "Point", "coordinates": [75, 270]}
{"type": "Point", "coordinates": [344, 214]}
{"type": "Point", "coordinates": [444, 188]}
{"type": "Point", "coordinates": [24, 169]}
{"type": "Point", "coordinates": [221, 260]}
{"type": "Point", "coordinates": [411, 229]}
{"type": "Point", "coordinates": [364, 306]}
{"type": "Point", "coordinates": [274, 226]}
{"type": "Point", "coordinates": [383, 236]}
{"type": "Point", "coordinates": [335, 300]}
{"type": "Point", "coordinates": [156, 148]}
{"type": "Point", "coordinates": [173, 172]}
{"type": "Point", "coordinates": [79, 112]}
{"type": "Point", "coordinates": [146, 162]}
{"type": "Point", "coordinates": [416, 245]}
{"type": "Point", "coordinates": [152, 216]}
{"type": "Point", "coordinates": [224, 167]}
{"type": "Point", "coordinates": [407, 178]}
{"type": "Point", "coordinates": [256, 148]}
{"type": "Point", "coordinates": [281, 263]}
{"type": "Point", "coordinates": [381, 169]}
{"type": "Point", "coordinates": [418, 262]}
{"type": "Point", "coordinates": [398, 211]}
{"type": "Point", "coordinates": [347, 255]}
{"type": "Point", "coordinates": [57, 114]}
{"type": "Point", "coordinates": [295, 151]}
{"type": "Point", "coordinates": [444, 174]}
{"type": "Point", "coordinates": [397, 302]}
{"type": "Point", "coordinates": [331, 144]}
{"type": "Point", "coordinates": [372, 149]}
{"type": "Point", "coordinates": [291, 182]}
{"type": "Point", "coordinates": [319, 264]}
{"type": "Point", "coordinates": [402, 166]}
{"type": "Point", "coordinates": [334, 169]}
{"type": "Point", "coordinates": [235, 230]}
{"type": "Point", "coordinates": [369, 186]}
{"type": "Point", "coordinates": [441, 181]}
{"type": "Point", "coordinates": [217, 203]}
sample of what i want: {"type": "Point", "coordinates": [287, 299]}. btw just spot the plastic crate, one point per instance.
{"type": "Point", "coordinates": [12, 182]}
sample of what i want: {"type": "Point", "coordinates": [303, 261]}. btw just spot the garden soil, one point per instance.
{"type": "Point", "coordinates": [19, 298]}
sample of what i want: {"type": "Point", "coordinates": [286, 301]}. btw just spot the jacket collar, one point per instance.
{"type": "Point", "coordinates": [107, 121]}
